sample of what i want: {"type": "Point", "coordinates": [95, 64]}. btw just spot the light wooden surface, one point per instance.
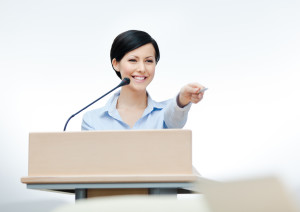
{"type": "Point", "coordinates": [106, 154]}
{"type": "Point", "coordinates": [266, 194]}
{"type": "Point", "coordinates": [110, 179]}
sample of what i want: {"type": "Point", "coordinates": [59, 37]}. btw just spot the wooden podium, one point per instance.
{"type": "Point", "coordinates": [97, 163]}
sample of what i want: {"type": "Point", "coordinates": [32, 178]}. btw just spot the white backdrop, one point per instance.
{"type": "Point", "coordinates": [54, 59]}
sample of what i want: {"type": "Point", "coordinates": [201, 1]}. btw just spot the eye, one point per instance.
{"type": "Point", "coordinates": [132, 60]}
{"type": "Point", "coordinates": [149, 61]}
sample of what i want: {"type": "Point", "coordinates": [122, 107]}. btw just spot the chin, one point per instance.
{"type": "Point", "coordinates": [139, 88]}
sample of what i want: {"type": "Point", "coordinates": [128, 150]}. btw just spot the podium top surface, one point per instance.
{"type": "Point", "coordinates": [151, 131]}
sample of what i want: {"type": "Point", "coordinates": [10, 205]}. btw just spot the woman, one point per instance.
{"type": "Point", "coordinates": [134, 54]}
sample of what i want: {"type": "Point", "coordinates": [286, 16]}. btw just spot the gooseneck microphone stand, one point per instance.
{"type": "Point", "coordinates": [125, 81]}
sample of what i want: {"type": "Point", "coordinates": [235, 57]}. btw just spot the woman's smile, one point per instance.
{"type": "Point", "coordinates": [139, 79]}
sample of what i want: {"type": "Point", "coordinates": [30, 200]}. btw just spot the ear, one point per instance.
{"type": "Point", "coordinates": [115, 64]}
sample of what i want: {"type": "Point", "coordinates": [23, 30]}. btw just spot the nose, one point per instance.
{"type": "Point", "coordinates": [141, 67]}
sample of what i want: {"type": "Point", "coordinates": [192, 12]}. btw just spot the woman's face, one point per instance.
{"type": "Point", "coordinates": [138, 65]}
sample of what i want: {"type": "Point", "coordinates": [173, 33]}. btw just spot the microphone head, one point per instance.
{"type": "Point", "coordinates": [125, 81]}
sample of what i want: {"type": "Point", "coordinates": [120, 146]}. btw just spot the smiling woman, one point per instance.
{"type": "Point", "coordinates": [134, 55]}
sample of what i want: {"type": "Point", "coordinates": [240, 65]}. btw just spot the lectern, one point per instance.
{"type": "Point", "coordinates": [95, 163]}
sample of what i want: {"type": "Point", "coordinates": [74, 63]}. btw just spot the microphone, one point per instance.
{"type": "Point", "coordinates": [125, 81]}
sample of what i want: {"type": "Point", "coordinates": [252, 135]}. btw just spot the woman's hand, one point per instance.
{"type": "Point", "coordinates": [190, 93]}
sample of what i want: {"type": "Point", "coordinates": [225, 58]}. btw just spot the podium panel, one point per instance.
{"type": "Point", "coordinates": [102, 157]}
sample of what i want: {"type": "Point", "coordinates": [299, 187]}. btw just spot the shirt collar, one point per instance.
{"type": "Point", "coordinates": [111, 106]}
{"type": "Point", "coordinates": [152, 105]}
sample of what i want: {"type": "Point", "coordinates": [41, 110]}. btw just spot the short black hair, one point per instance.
{"type": "Point", "coordinates": [128, 41]}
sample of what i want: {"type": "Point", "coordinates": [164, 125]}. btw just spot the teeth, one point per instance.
{"type": "Point", "coordinates": [139, 78]}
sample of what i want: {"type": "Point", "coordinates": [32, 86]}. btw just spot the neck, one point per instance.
{"type": "Point", "coordinates": [132, 99]}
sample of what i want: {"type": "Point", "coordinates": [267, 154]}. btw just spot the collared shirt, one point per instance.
{"type": "Point", "coordinates": [157, 115]}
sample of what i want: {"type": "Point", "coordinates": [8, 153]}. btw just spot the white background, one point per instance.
{"type": "Point", "coordinates": [54, 60]}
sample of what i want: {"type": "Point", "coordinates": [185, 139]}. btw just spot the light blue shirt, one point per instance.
{"type": "Point", "coordinates": [157, 115]}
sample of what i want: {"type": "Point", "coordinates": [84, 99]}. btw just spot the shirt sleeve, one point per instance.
{"type": "Point", "coordinates": [175, 116]}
